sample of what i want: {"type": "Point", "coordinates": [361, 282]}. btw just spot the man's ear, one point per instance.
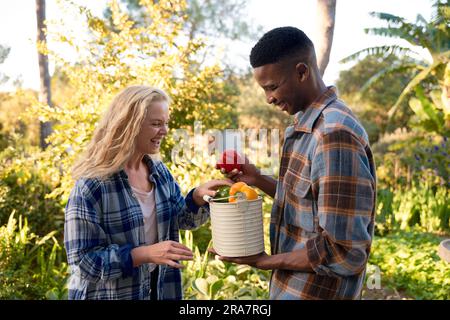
{"type": "Point", "coordinates": [302, 70]}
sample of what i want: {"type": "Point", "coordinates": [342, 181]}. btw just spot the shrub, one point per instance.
{"type": "Point", "coordinates": [413, 181]}
{"type": "Point", "coordinates": [31, 267]}
{"type": "Point", "coordinates": [418, 205]}
{"type": "Point", "coordinates": [409, 263]}
{"type": "Point", "coordinates": [24, 186]}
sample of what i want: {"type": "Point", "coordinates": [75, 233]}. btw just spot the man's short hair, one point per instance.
{"type": "Point", "coordinates": [281, 43]}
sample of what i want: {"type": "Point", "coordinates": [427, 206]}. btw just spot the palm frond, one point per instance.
{"type": "Point", "coordinates": [404, 32]}
{"type": "Point", "coordinates": [412, 33]}
{"type": "Point", "coordinates": [379, 76]}
{"type": "Point", "coordinates": [379, 51]}
{"type": "Point", "coordinates": [388, 17]}
{"type": "Point", "coordinates": [432, 35]}
{"type": "Point", "coordinates": [421, 19]}
{"type": "Point", "coordinates": [422, 75]}
{"type": "Point", "coordinates": [387, 32]}
{"type": "Point", "coordinates": [441, 12]}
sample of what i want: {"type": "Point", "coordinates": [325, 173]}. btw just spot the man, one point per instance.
{"type": "Point", "coordinates": [324, 200]}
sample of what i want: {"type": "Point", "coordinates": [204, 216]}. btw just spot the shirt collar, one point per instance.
{"type": "Point", "coordinates": [304, 121]}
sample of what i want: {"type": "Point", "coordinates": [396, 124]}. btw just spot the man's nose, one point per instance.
{"type": "Point", "coordinates": [271, 99]}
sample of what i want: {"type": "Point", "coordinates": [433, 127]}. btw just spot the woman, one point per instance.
{"type": "Point", "coordinates": [124, 213]}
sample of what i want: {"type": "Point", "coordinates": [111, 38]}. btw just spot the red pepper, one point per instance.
{"type": "Point", "coordinates": [230, 160]}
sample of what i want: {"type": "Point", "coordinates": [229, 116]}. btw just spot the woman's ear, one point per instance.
{"type": "Point", "coordinates": [302, 70]}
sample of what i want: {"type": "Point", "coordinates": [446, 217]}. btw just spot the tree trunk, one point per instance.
{"type": "Point", "coordinates": [326, 10]}
{"type": "Point", "coordinates": [44, 93]}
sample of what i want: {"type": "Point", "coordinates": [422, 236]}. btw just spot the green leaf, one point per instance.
{"type": "Point", "coordinates": [231, 279]}
{"type": "Point", "coordinates": [215, 288]}
{"type": "Point", "coordinates": [383, 73]}
{"type": "Point", "coordinates": [212, 278]}
{"type": "Point", "coordinates": [379, 51]}
{"type": "Point", "coordinates": [422, 75]}
{"type": "Point", "coordinates": [388, 17]}
{"type": "Point", "coordinates": [242, 269]}
{"type": "Point", "coordinates": [201, 285]}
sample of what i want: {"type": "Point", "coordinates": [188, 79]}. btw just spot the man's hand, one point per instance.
{"type": "Point", "coordinates": [252, 176]}
{"type": "Point", "coordinates": [296, 260]}
{"type": "Point", "coordinates": [249, 174]}
{"type": "Point", "coordinates": [209, 188]}
{"type": "Point", "coordinates": [260, 261]}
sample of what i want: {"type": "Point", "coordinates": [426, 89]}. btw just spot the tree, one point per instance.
{"type": "Point", "coordinates": [372, 104]}
{"type": "Point", "coordinates": [45, 96]}
{"type": "Point", "coordinates": [426, 76]}
{"type": "Point", "coordinates": [114, 58]}
{"type": "Point", "coordinates": [202, 21]}
{"type": "Point", "coordinates": [202, 18]}
{"type": "Point", "coordinates": [325, 23]}
{"type": "Point", "coordinates": [253, 110]}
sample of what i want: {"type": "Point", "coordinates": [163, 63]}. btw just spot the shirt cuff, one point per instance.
{"type": "Point", "coordinates": [317, 255]}
{"type": "Point", "coordinates": [126, 261]}
{"type": "Point", "coordinates": [190, 203]}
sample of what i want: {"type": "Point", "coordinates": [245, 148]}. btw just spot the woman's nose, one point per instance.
{"type": "Point", "coordinates": [164, 129]}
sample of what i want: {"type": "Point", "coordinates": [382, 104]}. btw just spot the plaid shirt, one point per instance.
{"type": "Point", "coordinates": [324, 203]}
{"type": "Point", "coordinates": [104, 221]}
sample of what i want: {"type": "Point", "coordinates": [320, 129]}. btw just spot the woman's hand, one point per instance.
{"type": "Point", "coordinates": [166, 252]}
{"type": "Point", "coordinates": [209, 188]}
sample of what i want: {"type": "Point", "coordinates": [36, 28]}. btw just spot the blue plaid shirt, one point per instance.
{"type": "Point", "coordinates": [104, 222]}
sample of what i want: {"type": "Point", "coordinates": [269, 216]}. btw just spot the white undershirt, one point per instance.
{"type": "Point", "coordinates": [148, 206]}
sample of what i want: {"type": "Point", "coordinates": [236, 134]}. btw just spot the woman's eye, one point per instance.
{"type": "Point", "coordinates": [159, 124]}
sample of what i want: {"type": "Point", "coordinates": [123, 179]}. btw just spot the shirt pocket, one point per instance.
{"type": "Point", "coordinates": [299, 203]}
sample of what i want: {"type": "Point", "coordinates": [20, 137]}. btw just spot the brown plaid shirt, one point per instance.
{"type": "Point", "coordinates": [324, 203]}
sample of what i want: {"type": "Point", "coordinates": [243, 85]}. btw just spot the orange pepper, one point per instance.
{"type": "Point", "coordinates": [236, 187]}
{"type": "Point", "coordinates": [242, 187]}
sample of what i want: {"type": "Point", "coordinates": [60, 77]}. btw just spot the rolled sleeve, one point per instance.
{"type": "Point", "coordinates": [190, 215]}
{"type": "Point", "coordinates": [85, 240]}
{"type": "Point", "coordinates": [126, 260]}
{"type": "Point", "coordinates": [190, 203]}
{"type": "Point", "coordinates": [346, 197]}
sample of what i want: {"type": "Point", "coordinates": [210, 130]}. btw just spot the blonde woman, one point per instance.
{"type": "Point", "coordinates": [124, 213]}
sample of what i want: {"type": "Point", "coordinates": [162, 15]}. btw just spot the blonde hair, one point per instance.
{"type": "Point", "coordinates": [113, 141]}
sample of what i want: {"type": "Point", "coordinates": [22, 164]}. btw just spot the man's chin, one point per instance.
{"type": "Point", "coordinates": [291, 111]}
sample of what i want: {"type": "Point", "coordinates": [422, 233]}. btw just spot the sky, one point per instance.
{"type": "Point", "coordinates": [18, 30]}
